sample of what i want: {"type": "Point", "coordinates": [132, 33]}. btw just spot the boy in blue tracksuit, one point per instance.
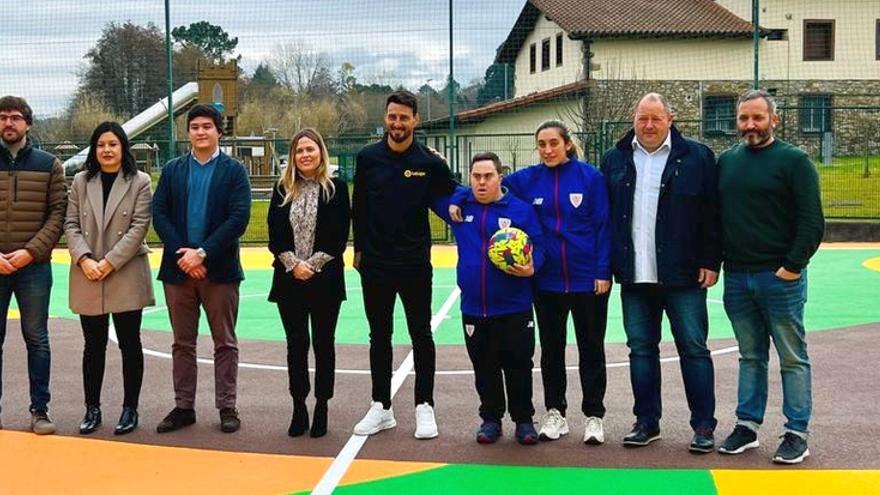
{"type": "Point", "coordinates": [496, 306]}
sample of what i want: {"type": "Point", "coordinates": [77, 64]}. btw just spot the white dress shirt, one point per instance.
{"type": "Point", "coordinates": [649, 172]}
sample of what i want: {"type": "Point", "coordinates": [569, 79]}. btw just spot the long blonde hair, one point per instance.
{"type": "Point", "coordinates": [288, 179]}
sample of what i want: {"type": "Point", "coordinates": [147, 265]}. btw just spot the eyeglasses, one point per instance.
{"type": "Point", "coordinates": [17, 119]}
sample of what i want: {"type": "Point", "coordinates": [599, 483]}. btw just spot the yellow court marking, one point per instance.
{"type": "Point", "coordinates": [825, 482]}
{"type": "Point", "coordinates": [259, 258]}
{"type": "Point", "coordinates": [872, 264]}
{"type": "Point", "coordinates": [13, 314]}
{"type": "Point", "coordinates": [73, 465]}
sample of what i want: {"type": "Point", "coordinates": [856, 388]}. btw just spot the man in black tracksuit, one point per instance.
{"type": "Point", "coordinates": [395, 181]}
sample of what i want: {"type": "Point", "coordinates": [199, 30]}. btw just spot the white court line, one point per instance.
{"type": "Point", "coordinates": [346, 456]}
{"type": "Point", "coordinates": [344, 371]}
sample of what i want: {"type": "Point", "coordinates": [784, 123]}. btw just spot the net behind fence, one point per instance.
{"type": "Point", "coordinates": [486, 74]}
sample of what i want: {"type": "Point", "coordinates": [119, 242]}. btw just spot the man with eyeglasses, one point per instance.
{"type": "Point", "coordinates": [33, 200]}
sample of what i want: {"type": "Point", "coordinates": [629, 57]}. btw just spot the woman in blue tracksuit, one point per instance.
{"type": "Point", "coordinates": [571, 201]}
{"type": "Point", "coordinates": [496, 305]}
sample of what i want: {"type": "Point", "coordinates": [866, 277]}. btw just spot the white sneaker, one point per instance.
{"type": "Point", "coordinates": [594, 433]}
{"type": "Point", "coordinates": [377, 419]}
{"type": "Point", "coordinates": [426, 425]}
{"type": "Point", "coordinates": [553, 425]}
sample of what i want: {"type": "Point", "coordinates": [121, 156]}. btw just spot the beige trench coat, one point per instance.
{"type": "Point", "coordinates": [116, 233]}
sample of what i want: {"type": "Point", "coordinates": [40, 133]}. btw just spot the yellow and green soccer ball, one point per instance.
{"type": "Point", "coordinates": [509, 246]}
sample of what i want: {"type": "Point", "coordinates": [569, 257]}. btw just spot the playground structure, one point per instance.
{"type": "Point", "coordinates": [216, 84]}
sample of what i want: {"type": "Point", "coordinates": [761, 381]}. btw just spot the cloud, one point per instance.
{"type": "Point", "coordinates": [47, 39]}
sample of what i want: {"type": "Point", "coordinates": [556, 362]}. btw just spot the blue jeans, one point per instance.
{"type": "Point", "coordinates": [31, 286]}
{"type": "Point", "coordinates": [643, 307]}
{"type": "Point", "coordinates": [760, 306]}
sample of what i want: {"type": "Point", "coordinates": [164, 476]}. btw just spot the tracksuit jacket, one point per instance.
{"type": "Point", "coordinates": [486, 291]}
{"type": "Point", "coordinates": [389, 205]}
{"type": "Point", "coordinates": [571, 201]}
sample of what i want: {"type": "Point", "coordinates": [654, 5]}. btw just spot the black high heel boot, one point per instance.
{"type": "Point", "coordinates": [128, 421]}
{"type": "Point", "coordinates": [319, 421]}
{"type": "Point", "coordinates": [91, 421]}
{"type": "Point", "coordinates": [300, 421]}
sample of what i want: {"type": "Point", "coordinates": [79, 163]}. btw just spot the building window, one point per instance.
{"type": "Point", "coordinates": [777, 34]}
{"type": "Point", "coordinates": [719, 115]}
{"type": "Point", "coordinates": [818, 40]}
{"type": "Point", "coordinates": [545, 54]}
{"type": "Point", "coordinates": [559, 49]}
{"type": "Point", "coordinates": [815, 114]}
{"type": "Point", "coordinates": [877, 40]}
{"type": "Point", "coordinates": [532, 58]}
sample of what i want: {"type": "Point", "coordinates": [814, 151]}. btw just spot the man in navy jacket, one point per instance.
{"type": "Point", "coordinates": [496, 305]}
{"type": "Point", "coordinates": [201, 208]}
{"type": "Point", "coordinates": [663, 191]}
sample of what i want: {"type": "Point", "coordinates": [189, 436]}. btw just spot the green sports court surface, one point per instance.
{"type": "Point", "coordinates": [840, 284]}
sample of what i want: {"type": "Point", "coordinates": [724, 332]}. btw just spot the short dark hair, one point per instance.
{"type": "Point", "coordinates": [405, 98]}
{"type": "Point", "coordinates": [17, 103]}
{"type": "Point", "coordinates": [488, 155]}
{"type": "Point", "coordinates": [203, 110]}
{"type": "Point", "coordinates": [92, 167]}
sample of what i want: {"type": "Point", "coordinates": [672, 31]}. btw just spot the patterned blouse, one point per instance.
{"type": "Point", "coordinates": [303, 219]}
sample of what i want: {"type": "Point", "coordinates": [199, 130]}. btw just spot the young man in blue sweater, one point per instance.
{"type": "Point", "coordinates": [496, 305]}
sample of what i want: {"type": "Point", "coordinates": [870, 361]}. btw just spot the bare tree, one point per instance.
{"type": "Point", "coordinates": [298, 66]}
{"type": "Point", "coordinates": [610, 99]}
{"type": "Point", "coordinates": [87, 112]}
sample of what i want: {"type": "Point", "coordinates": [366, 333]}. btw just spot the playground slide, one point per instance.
{"type": "Point", "coordinates": [145, 120]}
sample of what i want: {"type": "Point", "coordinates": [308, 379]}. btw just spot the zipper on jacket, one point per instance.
{"type": "Point", "coordinates": [485, 248]}
{"type": "Point", "coordinates": [559, 229]}
{"type": "Point", "coordinates": [14, 180]}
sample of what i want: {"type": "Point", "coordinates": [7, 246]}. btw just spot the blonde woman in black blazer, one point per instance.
{"type": "Point", "coordinates": [308, 220]}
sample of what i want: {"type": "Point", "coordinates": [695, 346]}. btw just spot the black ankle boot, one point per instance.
{"type": "Point", "coordinates": [300, 421]}
{"type": "Point", "coordinates": [128, 421]}
{"type": "Point", "coordinates": [319, 421]}
{"type": "Point", "coordinates": [91, 421]}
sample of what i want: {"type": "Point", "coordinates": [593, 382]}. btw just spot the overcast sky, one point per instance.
{"type": "Point", "coordinates": [400, 40]}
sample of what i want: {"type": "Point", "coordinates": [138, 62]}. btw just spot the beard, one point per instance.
{"type": "Point", "coordinates": [757, 138]}
{"type": "Point", "coordinates": [399, 136]}
{"type": "Point", "coordinates": [12, 136]}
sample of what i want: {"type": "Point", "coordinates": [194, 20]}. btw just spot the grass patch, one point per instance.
{"type": "Point", "coordinates": [257, 231]}
{"type": "Point", "coordinates": [847, 192]}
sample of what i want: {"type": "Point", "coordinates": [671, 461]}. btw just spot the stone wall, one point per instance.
{"type": "Point", "coordinates": [855, 131]}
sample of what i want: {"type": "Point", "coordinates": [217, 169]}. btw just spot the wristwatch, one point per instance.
{"type": "Point", "coordinates": [201, 252]}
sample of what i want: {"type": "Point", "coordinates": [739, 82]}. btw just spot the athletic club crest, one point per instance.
{"type": "Point", "coordinates": [503, 223]}
{"type": "Point", "coordinates": [576, 199]}
{"type": "Point", "coordinates": [469, 329]}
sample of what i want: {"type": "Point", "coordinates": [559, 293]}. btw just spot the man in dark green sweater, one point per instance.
{"type": "Point", "coordinates": [772, 223]}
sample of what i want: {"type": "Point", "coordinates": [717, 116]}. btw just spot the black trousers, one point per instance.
{"type": "Point", "coordinates": [501, 350]}
{"type": "Point", "coordinates": [590, 314]}
{"type": "Point", "coordinates": [380, 291]}
{"type": "Point", "coordinates": [128, 331]}
{"type": "Point", "coordinates": [295, 316]}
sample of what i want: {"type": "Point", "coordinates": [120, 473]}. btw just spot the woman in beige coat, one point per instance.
{"type": "Point", "coordinates": [108, 215]}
